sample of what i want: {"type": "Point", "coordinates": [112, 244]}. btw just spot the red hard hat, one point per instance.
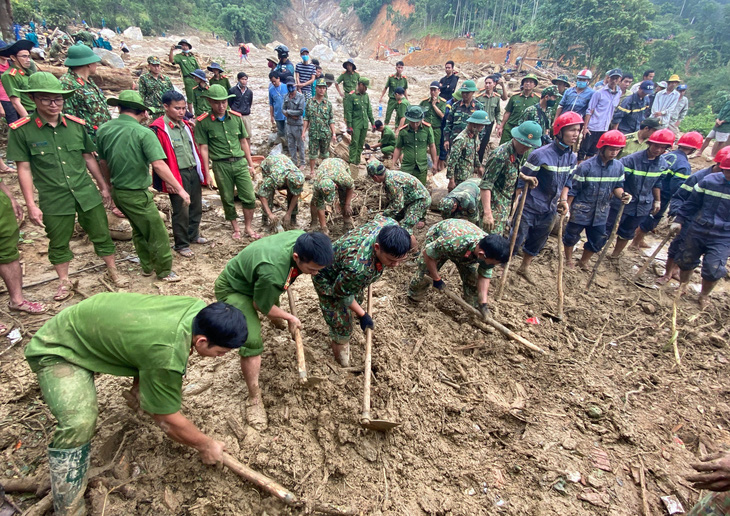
{"type": "Point", "coordinates": [693, 139]}
{"type": "Point", "coordinates": [725, 165]}
{"type": "Point", "coordinates": [566, 119]}
{"type": "Point", "coordinates": [722, 154]}
{"type": "Point", "coordinates": [613, 138]}
{"type": "Point", "coordinates": [662, 137]}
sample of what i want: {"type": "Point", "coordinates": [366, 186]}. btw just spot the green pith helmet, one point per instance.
{"type": "Point", "coordinates": [468, 86]}
{"type": "Point", "coordinates": [45, 82]}
{"type": "Point", "coordinates": [217, 92]}
{"type": "Point", "coordinates": [479, 117]}
{"type": "Point", "coordinates": [530, 76]}
{"type": "Point", "coordinates": [375, 168]}
{"type": "Point", "coordinates": [528, 133]}
{"type": "Point", "coordinates": [562, 78]}
{"type": "Point", "coordinates": [414, 114]}
{"type": "Point", "coordinates": [80, 55]}
{"type": "Point", "coordinates": [364, 80]}
{"type": "Point", "coordinates": [128, 98]}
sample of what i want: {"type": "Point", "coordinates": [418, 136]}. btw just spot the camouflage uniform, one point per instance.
{"type": "Point", "coordinates": [712, 504]}
{"type": "Point", "coordinates": [409, 199]}
{"type": "Point", "coordinates": [456, 120]}
{"type": "Point", "coordinates": [280, 173]}
{"type": "Point", "coordinates": [152, 88]}
{"type": "Point", "coordinates": [87, 102]}
{"type": "Point", "coordinates": [332, 175]}
{"type": "Point", "coordinates": [354, 268]}
{"type": "Point", "coordinates": [463, 157]}
{"type": "Point", "coordinates": [536, 114]}
{"type": "Point", "coordinates": [458, 241]}
{"type": "Point", "coordinates": [466, 197]}
{"type": "Point", "coordinates": [319, 115]}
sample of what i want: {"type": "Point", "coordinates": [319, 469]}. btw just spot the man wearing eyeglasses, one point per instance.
{"type": "Point", "coordinates": [53, 152]}
{"type": "Point", "coordinates": [15, 78]}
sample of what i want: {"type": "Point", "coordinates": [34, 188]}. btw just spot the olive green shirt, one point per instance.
{"type": "Point", "coordinates": [123, 334]}
{"type": "Point", "coordinates": [394, 82]}
{"type": "Point", "coordinates": [181, 144]}
{"type": "Point", "coordinates": [128, 147]}
{"type": "Point", "coordinates": [223, 138]}
{"type": "Point", "coordinates": [491, 106]}
{"type": "Point", "coordinates": [429, 114]}
{"type": "Point", "coordinates": [57, 164]}
{"type": "Point", "coordinates": [16, 78]}
{"type": "Point", "coordinates": [349, 81]}
{"type": "Point", "coordinates": [188, 63]}
{"type": "Point", "coordinates": [633, 144]}
{"type": "Point", "coordinates": [414, 146]}
{"type": "Point", "coordinates": [264, 269]}
{"type": "Point", "coordinates": [223, 81]}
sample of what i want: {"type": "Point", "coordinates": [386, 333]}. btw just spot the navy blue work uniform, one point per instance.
{"type": "Point", "coordinates": [679, 171]}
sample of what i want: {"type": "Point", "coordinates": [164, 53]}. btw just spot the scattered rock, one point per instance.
{"type": "Point", "coordinates": [171, 500]}
{"type": "Point", "coordinates": [108, 33]}
{"type": "Point", "coordinates": [597, 499]}
{"type": "Point", "coordinates": [594, 481]}
{"type": "Point", "coordinates": [594, 412]}
{"type": "Point", "coordinates": [648, 308]}
{"type": "Point", "coordinates": [569, 443]}
{"type": "Point", "coordinates": [559, 486]}
{"type": "Point", "coordinates": [323, 53]}
{"type": "Point", "coordinates": [109, 58]}
{"type": "Point", "coordinates": [133, 33]}
{"type": "Point", "coordinates": [573, 476]}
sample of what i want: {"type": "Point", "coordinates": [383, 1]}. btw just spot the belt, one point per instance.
{"type": "Point", "coordinates": [230, 160]}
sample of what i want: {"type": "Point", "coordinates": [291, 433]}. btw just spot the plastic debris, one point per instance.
{"type": "Point", "coordinates": [672, 505]}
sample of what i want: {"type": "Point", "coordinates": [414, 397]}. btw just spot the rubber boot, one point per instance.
{"type": "Point", "coordinates": [69, 475]}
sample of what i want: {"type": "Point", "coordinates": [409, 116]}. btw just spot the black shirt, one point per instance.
{"type": "Point", "coordinates": [243, 100]}
{"type": "Point", "coordinates": [447, 85]}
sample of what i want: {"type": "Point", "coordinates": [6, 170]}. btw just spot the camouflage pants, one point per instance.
{"type": "Point", "coordinates": [421, 281]}
{"type": "Point", "coordinates": [712, 504]}
{"type": "Point", "coordinates": [500, 213]}
{"type": "Point", "coordinates": [318, 146]}
{"type": "Point", "coordinates": [409, 216]}
{"type": "Point", "coordinates": [289, 200]}
{"type": "Point", "coordinates": [338, 316]}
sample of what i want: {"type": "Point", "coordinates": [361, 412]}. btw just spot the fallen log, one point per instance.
{"type": "Point", "coordinates": [109, 79]}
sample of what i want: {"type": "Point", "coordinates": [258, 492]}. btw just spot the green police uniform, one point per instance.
{"type": "Point", "coordinates": [387, 141]}
{"type": "Point", "coordinates": [456, 119]}
{"type": "Point", "coordinates": [400, 110]}
{"type": "Point", "coordinates": [200, 104]}
{"type": "Point", "coordinates": [463, 202]}
{"type": "Point", "coordinates": [491, 105]}
{"type": "Point", "coordinates": [332, 175]}
{"type": "Point", "coordinates": [430, 116]}
{"type": "Point", "coordinates": [457, 241]}
{"type": "Point", "coordinates": [230, 167]}
{"type": "Point", "coordinates": [633, 144]}
{"type": "Point", "coordinates": [223, 81]}
{"type": "Point", "coordinates": [353, 269]}
{"type": "Point", "coordinates": [16, 78]}
{"type": "Point", "coordinates": [147, 337]}
{"type": "Point", "coordinates": [65, 189]}
{"type": "Point", "coordinates": [348, 81]}
{"type": "Point", "coordinates": [414, 145]}
{"type": "Point", "coordinates": [408, 199]}
{"type": "Point", "coordinates": [320, 116]}
{"type": "Point", "coordinates": [359, 118]}
{"type": "Point", "coordinates": [128, 149]}
{"type": "Point", "coordinates": [393, 83]}
{"type": "Point", "coordinates": [280, 173]}
{"type": "Point", "coordinates": [516, 106]}
{"type": "Point", "coordinates": [9, 231]}
{"type": "Point", "coordinates": [255, 278]}
{"type": "Point", "coordinates": [188, 63]}
{"type": "Point", "coordinates": [87, 102]}
{"type": "Point", "coordinates": [152, 88]}
{"type": "Point", "coordinates": [463, 159]}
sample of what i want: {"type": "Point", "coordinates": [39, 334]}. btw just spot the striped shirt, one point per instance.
{"type": "Point", "coordinates": [305, 72]}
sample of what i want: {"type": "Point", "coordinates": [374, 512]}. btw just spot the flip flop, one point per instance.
{"type": "Point", "coordinates": [171, 278]}
{"type": "Point", "coordinates": [28, 307]}
{"type": "Point", "coordinates": [64, 291]}
{"type": "Point", "coordinates": [186, 252]}
{"type": "Point", "coordinates": [200, 240]}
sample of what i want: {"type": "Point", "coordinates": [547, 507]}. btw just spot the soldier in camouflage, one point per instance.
{"type": "Point", "coordinates": [152, 85]}
{"type": "Point", "coordinates": [87, 101]}
{"type": "Point", "coordinates": [408, 198]}
{"type": "Point", "coordinates": [463, 160]}
{"type": "Point", "coordinates": [279, 173]}
{"type": "Point", "coordinates": [319, 121]}
{"type": "Point", "coordinates": [332, 176]}
{"type": "Point", "coordinates": [540, 112]}
{"type": "Point", "coordinates": [472, 251]}
{"type": "Point", "coordinates": [360, 257]}
{"type": "Point", "coordinates": [463, 202]}
{"type": "Point", "coordinates": [460, 111]}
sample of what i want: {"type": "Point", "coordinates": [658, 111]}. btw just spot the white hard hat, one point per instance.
{"type": "Point", "coordinates": [586, 73]}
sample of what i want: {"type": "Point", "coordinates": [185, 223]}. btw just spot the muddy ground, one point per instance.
{"type": "Point", "coordinates": [488, 427]}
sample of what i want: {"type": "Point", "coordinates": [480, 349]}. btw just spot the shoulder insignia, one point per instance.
{"type": "Point", "coordinates": [426, 124]}
{"type": "Point", "coordinates": [75, 119]}
{"type": "Point", "coordinates": [13, 72]}
{"type": "Point", "coordinates": [442, 99]}
{"type": "Point", "coordinates": [353, 91]}
{"type": "Point", "coordinates": [403, 77]}
{"type": "Point", "coordinates": [392, 75]}
{"type": "Point", "coordinates": [200, 118]}
{"type": "Point", "coordinates": [20, 122]}
{"type": "Point", "coordinates": [234, 113]}
{"type": "Point", "coordinates": [403, 126]}
{"type": "Point", "coordinates": [426, 99]}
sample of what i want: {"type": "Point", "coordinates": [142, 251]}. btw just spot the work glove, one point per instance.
{"type": "Point", "coordinates": [366, 322]}
{"type": "Point", "coordinates": [675, 227]}
{"type": "Point", "coordinates": [484, 309]}
{"type": "Point", "coordinates": [626, 198]}
{"type": "Point", "coordinates": [439, 284]}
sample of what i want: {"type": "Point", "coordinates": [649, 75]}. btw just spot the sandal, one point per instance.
{"type": "Point", "coordinates": [29, 307]}
{"type": "Point", "coordinates": [200, 240]}
{"type": "Point", "coordinates": [185, 252]}
{"type": "Point", "coordinates": [117, 279]}
{"type": "Point", "coordinates": [64, 291]}
{"type": "Point", "coordinates": [171, 278]}
{"type": "Point", "coordinates": [3, 330]}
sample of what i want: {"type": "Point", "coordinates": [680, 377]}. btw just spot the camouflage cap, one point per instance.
{"type": "Point", "coordinates": [153, 60]}
{"type": "Point", "coordinates": [295, 182]}
{"type": "Point", "coordinates": [562, 78]}
{"type": "Point", "coordinates": [375, 168]}
{"type": "Point", "coordinates": [327, 188]}
{"type": "Point", "coordinates": [320, 82]}
{"type": "Point", "coordinates": [550, 91]}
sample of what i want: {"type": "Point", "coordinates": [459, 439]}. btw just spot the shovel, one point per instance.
{"type": "Point", "coordinates": [651, 258]}
{"type": "Point", "coordinates": [381, 425]}
{"type": "Point", "coordinates": [301, 364]}
{"type": "Point", "coordinates": [513, 240]}
{"type": "Point", "coordinates": [608, 244]}
{"type": "Point", "coordinates": [561, 295]}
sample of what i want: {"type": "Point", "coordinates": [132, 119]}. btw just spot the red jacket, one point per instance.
{"type": "Point", "coordinates": [158, 126]}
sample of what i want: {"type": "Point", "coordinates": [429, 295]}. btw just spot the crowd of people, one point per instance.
{"type": "Point", "coordinates": [595, 157]}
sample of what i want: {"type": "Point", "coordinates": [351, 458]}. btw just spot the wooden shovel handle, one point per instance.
{"type": "Point", "coordinates": [259, 480]}
{"type": "Point", "coordinates": [516, 227]}
{"type": "Point", "coordinates": [368, 362]}
{"type": "Point", "coordinates": [301, 363]}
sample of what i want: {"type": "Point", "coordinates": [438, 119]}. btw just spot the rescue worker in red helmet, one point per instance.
{"type": "Point", "coordinates": [644, 170]}
{"type": "Point", "coordinates": [595, 181]}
